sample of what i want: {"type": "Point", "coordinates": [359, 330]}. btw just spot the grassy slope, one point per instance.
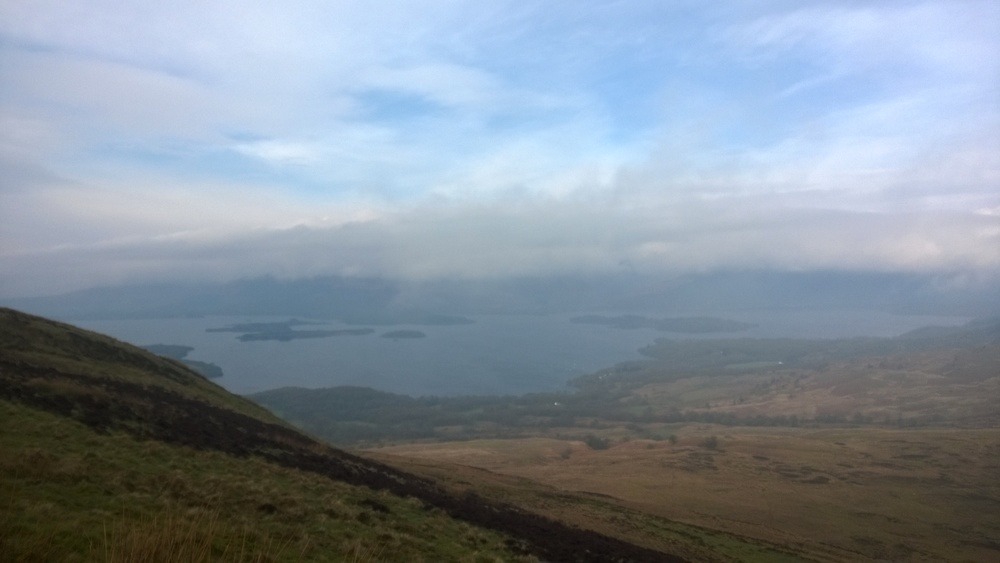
{"type": "Point", "coordinates": [38, 344]}
{"type": "Point", "coordinates": [107, 448]}
{"type": "Point", "coordinates": [73, 494]}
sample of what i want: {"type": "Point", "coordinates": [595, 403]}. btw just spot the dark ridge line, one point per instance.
{"type": "Point", "coordinates": [151, 412]}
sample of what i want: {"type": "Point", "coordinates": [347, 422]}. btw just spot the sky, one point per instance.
{"type": "Point", "coordinates": [210, 141]}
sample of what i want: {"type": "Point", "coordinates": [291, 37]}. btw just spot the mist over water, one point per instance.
{"type": "Point", "coordinates": [498, 354]}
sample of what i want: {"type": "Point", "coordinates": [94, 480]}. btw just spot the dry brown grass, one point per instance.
{"type": "Point", "coordinates": [832, 494]}
{"type": "Point", "coordinates": [194, 537]}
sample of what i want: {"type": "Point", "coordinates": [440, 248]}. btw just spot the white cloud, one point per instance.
{"type": "Point", "coordinates": [212, 139]}
{"type": "Point", "coordinates": [281, 152]}
{"type": "Point", "coordinates": [566, 236]}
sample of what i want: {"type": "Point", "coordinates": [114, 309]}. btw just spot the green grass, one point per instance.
{"type": "Point", "coordinates": [73, 495]}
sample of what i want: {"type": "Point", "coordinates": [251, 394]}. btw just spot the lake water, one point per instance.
{"type": "Point", "coordinates": [499, 354]}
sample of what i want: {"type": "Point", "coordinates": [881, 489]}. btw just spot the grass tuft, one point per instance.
{"type": "Point", "coordinates": [196, 536]}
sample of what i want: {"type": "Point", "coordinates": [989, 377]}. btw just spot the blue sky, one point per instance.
{"type": "Point", "coordinates": [211, 141]}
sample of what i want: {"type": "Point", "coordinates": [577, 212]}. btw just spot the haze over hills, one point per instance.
{"type": "Point", "coordinates": [387, 301]}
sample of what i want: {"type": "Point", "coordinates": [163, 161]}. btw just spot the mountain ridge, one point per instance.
{"type": "Point", "coordinates": [385, 301]}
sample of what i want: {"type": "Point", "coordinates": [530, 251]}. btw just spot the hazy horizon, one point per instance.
{"type": "Point", "coordinates": [435, 141]}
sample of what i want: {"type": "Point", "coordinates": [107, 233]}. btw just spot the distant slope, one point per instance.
{"type": "Point", "coordinates": [930, 376]}
{"type": "Point", "coordinates": [933, 376]}
{"type": "Point", "coordinates": [78, 406]}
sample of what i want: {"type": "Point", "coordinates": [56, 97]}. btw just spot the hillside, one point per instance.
{"type": "Point", "coordinates": [110, 452]}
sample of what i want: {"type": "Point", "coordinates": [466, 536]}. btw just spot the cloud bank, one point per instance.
{"type": "Point", "coordinates": [443, 139]}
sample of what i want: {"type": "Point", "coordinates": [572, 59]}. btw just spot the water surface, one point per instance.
{"type": "Point", "coordinates": [498, 354]}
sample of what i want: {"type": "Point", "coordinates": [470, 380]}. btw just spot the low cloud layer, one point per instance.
{"type": "Point", "coordinates": [425, 140]}
{"type": "Point", "coordinates": [555, 237]}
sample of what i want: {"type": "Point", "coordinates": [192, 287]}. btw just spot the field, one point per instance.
{"type": "Point", "coordinates": [823, 494]}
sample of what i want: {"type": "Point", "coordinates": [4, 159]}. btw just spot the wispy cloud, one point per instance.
{"type": "Point", "coordinates": [450, 139]}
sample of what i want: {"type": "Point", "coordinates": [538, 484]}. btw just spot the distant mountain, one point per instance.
{"type": "Point", "coordinates": [370, 301]}
{"type": "Point", "coordinates": [380, 301]}
{"type": "Point", "coordinates": [684, 325]}
{"type": "Point", "coordinates": [110, 452]}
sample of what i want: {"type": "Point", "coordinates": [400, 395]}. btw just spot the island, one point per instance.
{"type": "Point", "coordinates": [689, 325]}
{"type": "Point", "coordinates": [284, 332]}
